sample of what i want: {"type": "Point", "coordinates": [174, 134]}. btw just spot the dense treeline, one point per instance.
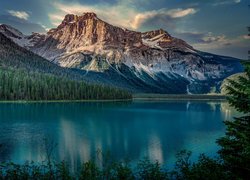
{"type": "Point", "coordinates": [16, 57]}
{"type": "Point", "coordinates": [22, 85]}
{"type": "Point", "coordinates": [145, 170]}
{"type": "Point", "coordinates": [27, 76]}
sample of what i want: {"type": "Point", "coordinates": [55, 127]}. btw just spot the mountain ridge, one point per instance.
{"type": "Point", "coordinates": [149, 61]}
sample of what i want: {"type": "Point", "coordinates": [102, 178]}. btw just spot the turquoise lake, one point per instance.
{"type": "Point", "coordinates": [134, 130]}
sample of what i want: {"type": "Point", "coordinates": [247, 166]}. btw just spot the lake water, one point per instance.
{"type": "Point", "coordinates": [134, 130]}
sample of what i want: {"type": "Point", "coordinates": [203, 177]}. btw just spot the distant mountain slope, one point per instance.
{"type": "Point", "coordinates": [14, 56]}
{"type": "Point", "coordinates": [152, 61]}
{"type": "Point", "coordinates": [27, 76]}
{"type": "Point", "coordinates": [225, 83]}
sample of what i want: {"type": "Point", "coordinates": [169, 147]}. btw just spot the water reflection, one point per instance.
{"type": "Point", "coordinates": [130, 129]}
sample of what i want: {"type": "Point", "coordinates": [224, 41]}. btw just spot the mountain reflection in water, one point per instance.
{"type": "Point", "coordinates": [134, 130]}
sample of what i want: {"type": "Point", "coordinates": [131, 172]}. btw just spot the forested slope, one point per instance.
{"type": "Point", "coordinates": [14, 56]}
{"type": "Point", "coordinates": [21, 85]}
{"type": "Point", "coordinates": [26, 76]}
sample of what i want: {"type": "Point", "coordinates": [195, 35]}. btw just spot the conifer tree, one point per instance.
{"type": "Point", "coordinates": [235, 145]}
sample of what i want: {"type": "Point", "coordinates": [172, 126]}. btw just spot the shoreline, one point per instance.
{"type": "Point", "coordinates": [180, 97]}
{"type": "Point", "coordinates": [63, 101]}
{"type": "Point", "coordinates": [137, 97]}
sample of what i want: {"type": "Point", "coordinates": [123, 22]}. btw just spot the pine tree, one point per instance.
{"type": "Point", "coordinates": [21, 85]}
{"type": "Point", "coordinates": [235, 145]}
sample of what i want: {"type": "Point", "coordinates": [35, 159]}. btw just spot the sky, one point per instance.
{"type": "Point", "coordinates": [215, 26]}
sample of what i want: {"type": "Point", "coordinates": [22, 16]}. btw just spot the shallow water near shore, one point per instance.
{"type": "Point", "coordinates": [133, 130]}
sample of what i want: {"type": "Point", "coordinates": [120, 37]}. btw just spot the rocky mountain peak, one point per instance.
{"type": "Point", "coordinates": [154, 33]}
{"type": "Point", "coordinates": [86, 32]}
{"type": "Point", "coordinates": [89, 15]}
{"type": "Point", "coordinates": [152, 61]}
{"type": "Point", "coordinates": [10, 31]}
{"type": "Point", "coordinates": [70, 18]}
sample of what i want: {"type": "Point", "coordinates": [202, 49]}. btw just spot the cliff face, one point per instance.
{"type": "Point", "coordinates": [152, 61]}
{"type": "Point", "coordinates": [89, 34]}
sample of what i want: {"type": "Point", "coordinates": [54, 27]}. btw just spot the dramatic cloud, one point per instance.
{"type": "Point", "coordinates": [122, 14]}
{"type": "Point", "coordinates": [189, 20]}
{"type": "Point", "coordinates": [118, 14]}
{"type": "Point", "coordinates": [19, 14]}
{"type": "Point", "coordinates": [162, 16]}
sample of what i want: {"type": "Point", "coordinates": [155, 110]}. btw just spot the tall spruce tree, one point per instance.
{"type": "Point", "coordinates": [235, 145]}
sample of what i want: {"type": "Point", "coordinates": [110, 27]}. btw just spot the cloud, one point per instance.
{"type": "Point", "coordinates": [118, 14]}
{"type": "Point", "coordinates": [122, 14]}
{"type": "Point", "coordinates": [222, 40]}
{"type": "Point", "coordinates": [23, 25]}
{"type": "Point", "coordinates": [236, 46]}
{"type": "Point", "coordinates": [210, 41]}
{"type": "Point", "coordinates": [19, 14]}
{"type": "Point", "coordinates": [226, 2]}
{"type": "Point", "coordinates": [200, 38]}
{"type": "Point", "coordinates": [246, 37]}
{"type": "Point", "coordinates": [177, 13]}
{"type": "Point", "coordinates": [210, 38]}
{"type": "Point", "coordinates": [56, 19]}
{"type": "Point", "coordinates": [162, 16]}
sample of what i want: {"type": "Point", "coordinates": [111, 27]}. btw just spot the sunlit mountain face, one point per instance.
{"type": "Point", "coordinates": [216, 26]}
{"type": "Point", "coordinates": [148, 62]}
{"type": "Point", "coordinates": [143, 46]}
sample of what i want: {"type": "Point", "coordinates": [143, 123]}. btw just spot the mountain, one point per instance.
{"type": "Point", "coordinates": [13, 56]}
{"type": "Point", "coordinates": [152, 61]}
{"type": "Point", "coordinates": [226, 82]}
{"type": "Point", "coordinates": [27, 76]}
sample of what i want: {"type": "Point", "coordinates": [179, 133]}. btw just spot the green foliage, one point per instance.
{"type": "Point", "coordinates": [22, 85]}
{"type": "Point", "coordinates": [111, 169]}
{"type": "Point", "coordinates": [27, 76]}
{"type": "Point", "coordinates": [151, 171]}
{"type": "Point", "coordinates": [90, 171]}
{"type": "Point", "coordinates": [205, 168]}
{"type": "Point", "coordinates": [182, 166]}
{"type": "Point", "coordinates": [235, 145]}
{"type": "Point", "coordinates": [16, 57]}
{"type": "Point", "coordinates": [63, 171]}
{"type": "Point", "coordinates": [239, 91]}
{"type": "Point", "coordinates": [225, 83]}
{"type": "Point", "coordinates": [123, 171]}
